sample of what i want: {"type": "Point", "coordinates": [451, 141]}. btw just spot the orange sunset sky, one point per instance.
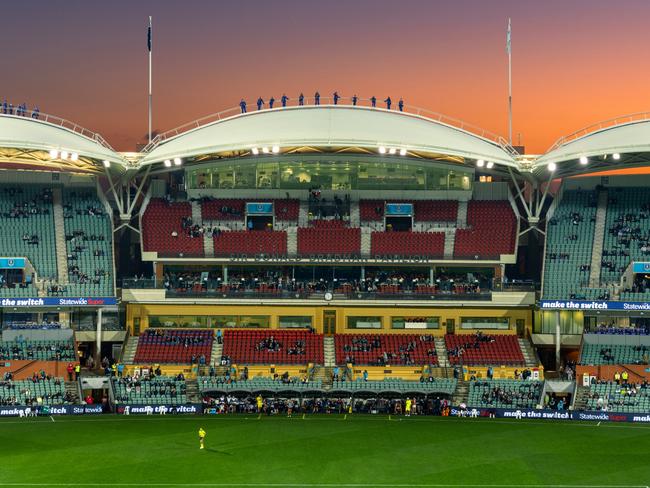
{"type": "Point", "coordinates": [574, 62]}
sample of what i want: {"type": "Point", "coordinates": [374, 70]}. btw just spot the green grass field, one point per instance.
{"type": "Point", "coordinates": [328, 451]}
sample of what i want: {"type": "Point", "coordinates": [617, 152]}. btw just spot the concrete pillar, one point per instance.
{"type": "Point", "coordinates": [98, 338]}
{"type": "Point", "coordinates": [557, 340]}
{"type": "Point", "coordinates": [224, 276]}
{"type": "Point", "coordinates": [431, 275]}
{"type": "Point", "coordinates": [363, 273]}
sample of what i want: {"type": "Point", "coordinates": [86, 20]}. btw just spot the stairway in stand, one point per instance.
{"type": "Point", "coordinates": [441, 352]}
{"type": "Point", "coordinates": [329, 352]}
{"type": "Point", "coordinates": [529, 353]}
{"type": "Point", "coordinates": [323, 374]}
{"type": "Point", "coordinates": [59, 225]}
{"type": "Point", "coordinates": [129, 350]}
{"type": "Point", "coordinates": [580, 401]}
{"type": "Point", "coordinates": [217, 352]}
{"type": "Point", "coordinates": [72, 389]}
{"type": "Point", "coordinates": [193, 394]}
{"type": "Point", "coordinates": [462, 392]}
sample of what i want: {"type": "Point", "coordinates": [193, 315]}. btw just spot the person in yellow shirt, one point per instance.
{"type": "Point", "coordinates": [407, 410]}
{"type": "Point", "coordinates": [260, 403]}
{"type": "Point", "coordinates": [202, 437]}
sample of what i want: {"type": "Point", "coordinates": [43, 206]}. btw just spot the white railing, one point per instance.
{"type": "Point", "coordinates": [60, 122]}
{"type": "Point", "coordinates": [329, 101]}
{"type": "Point", "coordinates": [624, 119]}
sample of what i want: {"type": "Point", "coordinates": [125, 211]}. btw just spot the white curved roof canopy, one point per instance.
{"type": "Point", "coordinates": [329, 126]}
{"type": "Point", "coordinates": [26, 133]}
{"type": "Point", "coordinates": [625, 139]}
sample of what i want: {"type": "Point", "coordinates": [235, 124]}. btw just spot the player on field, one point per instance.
{"type": "Point", "coordinates": [202, 437]}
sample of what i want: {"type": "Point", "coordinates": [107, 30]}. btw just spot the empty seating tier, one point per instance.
{"type": "Point", "coordinates": [251, 243]}
{"type": "Point", "coordinates": [435, 210]}
{"type": "Point", "coordinates": [219, 383]}
{"type": "Point", "coordinates": [160, 390]}
{"type": "Point", "coordinates": [273, 347]}
{"type": "Point", "coordinates": [492, 229]}
{"type": "Point", "coordinates": [383, 349]}
{"type": "Point", "coordinates": [595, 354]}
{"type": "Point", "coordinates": [477, 349]}
{"type": "Point", "coordinates": [223, 209]}
{"type": "Point", "coordinates": [174, 346]}
{"type": "Point", "coordinates": [444, 386]}
{"type": "Point", "coordinates": [38, 350]}
{"type": "Point", "coordinates": [504, 394]}
{"type": "Point", "coordinates": [89, 244]}
{"type": "Point", "coordinates": [430, 244]}
{"type": "Point", "coordinates": [329, 237]}
{"type": "Point", "coordinates": [164, 232]}
{"type": "Point", "coordinates": [569, 241]}
{"type": "Point", "coordinates": [27, 220]}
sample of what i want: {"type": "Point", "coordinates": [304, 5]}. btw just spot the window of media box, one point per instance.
{"type": "Point", "coordinates": [497, 323]}
{"type": "Point", "coordinates": [178, 321]}
{"type": "Point", "coordinates": [364, 322]}
{"type": "Point", "coordinates": [295, 322]}
{"type": "Point", "coordinates": [415, 322]}
{"type": "Point", "coordinates": [241, 321]}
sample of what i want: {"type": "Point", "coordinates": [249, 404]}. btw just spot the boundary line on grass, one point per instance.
{"type": "Point", "coordinates": [326, 418]}
{"type": "Point", "coordinates": [328, 485]}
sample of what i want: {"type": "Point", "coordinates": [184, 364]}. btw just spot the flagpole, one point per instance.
{"type": "Point", "coordinates": [149, 45]}
{"type": "Point", "coordinates": [509, 83]}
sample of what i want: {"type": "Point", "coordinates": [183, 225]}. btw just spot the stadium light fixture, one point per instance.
{"type": "Point", "coordinates": [74, 157]}
{"type": "Point", "coordinates": [178, 161]}
{"type": "Point", "coordinates": [168, 163]}
{"type": "Point", "coordinates": [392, 150]}
{"type": "Point", "coordinates": [616, 156]}
{"type": "Point", "coordinates": [64, 154]}
{"type": "Point", "coordinates": [552, 167]}
{"type": "Point", "coordinates": [490, 165]}
{"type": "Point", "coordinates": [265, 150]}
{"type": "Point", "coordinates": [382, 150]}
{"type": "Point", "coordinates": [480, 163]}
{"type": "Point", "coordinates": [275, 149]}
{"type": "Point", "coordinates": [584, 160]}
{"type": "Point", "coordinates": [107, 163]}
{"type": "Point", "coordinates": [54, 153]}
{"type": "Point", "coordinates": [256, 151]}
{"type": "Point", "coordinates": [402, 152]}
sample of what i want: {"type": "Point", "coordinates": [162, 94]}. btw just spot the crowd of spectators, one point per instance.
{"type": "Point", "coordinates": [14, 393]}
{"type": "Point", "coordinates": [519, 395]}
{"type": "Point", "coordinates": [384, 357]}
{"type": "Point", "coordinates": [336, 97]}
{"type": "Point", "coordinates": [24, 350]}
{"type": "Point", "coordinates": [151, 387]}
{"type": "Point", "coordinates": [624, 394]}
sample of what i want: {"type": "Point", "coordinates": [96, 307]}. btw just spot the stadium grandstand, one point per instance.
{"type": "Point", "coordinates": [335, 258]}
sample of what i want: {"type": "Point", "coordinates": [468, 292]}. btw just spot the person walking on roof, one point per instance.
{"type": "Point", "coordinates": [242, 105]}
{"type": "Point", "coordinates": [301, 99]}
{"type": "Point", "coordinates": [271, 101]}
{"type": "Point", "coordinates": [373, 101]}
{"type": "Point", "coordinates": [388, 103]}
{"type": "Point", "coordinates": [260, 103]}
{"type": "Point", "coordinates": [400, 104]}
{"type": "Point", "coordinates": [316, 98]}
{"type": "Point", "coordinates": [355, 98]}
{"type": "Point", "coordinates": [284, 100]}
{"type": "Point", "coordinates": [336, 97]}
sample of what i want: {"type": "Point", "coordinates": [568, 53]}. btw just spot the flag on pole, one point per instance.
{"type": "Point", "coordinates": [149, 36]}
{"type": "Point", "coordinates": [508, 38]}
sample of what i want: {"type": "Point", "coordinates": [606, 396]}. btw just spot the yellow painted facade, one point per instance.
{"type": "Point", "coordinates": [330, 319]}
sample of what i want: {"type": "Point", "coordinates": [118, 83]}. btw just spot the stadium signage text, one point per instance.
{"type": "Point", "coordinates": [522, 414]}
{"type": "Point", "coordinates": [591, 305]}
{"type": "Point", "coordinates": [58, 302]}
{"type": "Point", "coordinates": [328, 258]}
{"type": "Point", "coordinates": [159, 409]}
{"type": "Point", "coordinates": [24, 411]}
{"type": "Point", "coordinates": [12, 263]}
